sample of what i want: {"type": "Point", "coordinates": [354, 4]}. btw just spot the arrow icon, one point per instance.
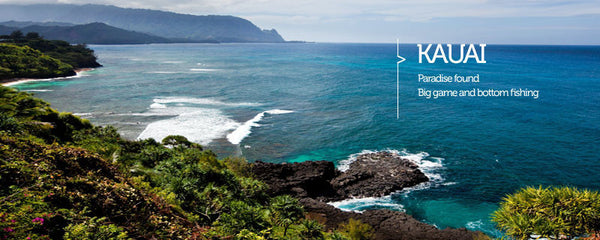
{"type": "Point", "coordinates": [400, 60]}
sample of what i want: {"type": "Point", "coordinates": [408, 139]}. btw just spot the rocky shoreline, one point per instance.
{"type": "Point", "coordinates": [372, 175]}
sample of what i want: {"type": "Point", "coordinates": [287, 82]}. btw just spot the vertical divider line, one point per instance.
{"type": "Point", "coordinates": [398, 79]}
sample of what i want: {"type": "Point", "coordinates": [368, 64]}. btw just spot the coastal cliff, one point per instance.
{"type": "Point", "coordinates": [372, 175]}
{"type": "Point", "coordinates": [31, 56]}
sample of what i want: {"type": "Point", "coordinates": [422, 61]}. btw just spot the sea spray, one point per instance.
{"type": "Point", "coordinates": [245, 129]}
{"type": "Point", "coordinates": [201, 101]}
{"type": "Point", "coordinates": [361, 204]}
{"type": "Point", "coordinates": [200, 125]}
{"type": "Point", "coordinates": [198, 119]}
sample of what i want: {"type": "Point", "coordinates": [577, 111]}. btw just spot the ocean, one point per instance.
{"type": "Point", "coordinates": [326, 101]}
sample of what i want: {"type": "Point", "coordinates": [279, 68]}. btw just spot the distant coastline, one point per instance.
{"type": "Point", "coordinates": [105, 24]}
{"type": "Point", "coordinates": [16, 81]}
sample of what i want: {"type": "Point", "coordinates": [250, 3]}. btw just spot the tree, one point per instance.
{"type": "Point", "coordinates": [32, 35]}
{"type": "Point", "coordinates": [16, 35]}
{"type": "Point", "coordinates": [285, 211]}
{"type": "Point", "coordinates": [311, 229]}
{"type": "Point", "coordinates": [178, 141]}
{"type": "Point", "coordinates": [553, 213]}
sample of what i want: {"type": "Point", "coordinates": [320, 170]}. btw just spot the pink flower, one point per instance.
{"type": "Point", "coordinates": [38, 219]}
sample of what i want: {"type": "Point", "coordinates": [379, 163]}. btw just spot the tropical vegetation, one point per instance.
{"type": "Point", "coordinates": [551, 213]}
{"type": "Point", "coordinates": [61, 177]}
{"type": "Point", "coordinates": [31, 56]}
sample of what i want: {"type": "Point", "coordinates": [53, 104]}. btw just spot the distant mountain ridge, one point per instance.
{"type": "Point", "coordinates": [92, 33]}
{"type": "Point", "coordinates": [154, 22]}
{"type": "Point", "coordinates": [17, 24]}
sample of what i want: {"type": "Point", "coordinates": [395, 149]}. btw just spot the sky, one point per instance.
{"type": "Point", "coordinates": [411, 21]}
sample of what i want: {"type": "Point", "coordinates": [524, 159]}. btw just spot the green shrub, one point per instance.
{"type": "Point", "coordinates": [103, 140]}
{"type": "Point", "coordinates": [248, 235]}
{"type": "Point", "coordinates": [37, 118]}
{"type": "Point", "coordinates": [285, 211]}
{"type": "Point", "coordinates": [243, 216]}
{"type": "Point", "coordinates": [94, 229]}
{"type": "Point", "coordinates": [238, 165]}
{"type": "Point", "coordinates": [556, 212]}
{"type": "Point", "coordinates": [337, 236]}
{"type": "Point", "coordinates": [312, 230]}
{"type": "Point", "coordinates": [9, 124]}
{"type": "Point", "coordinates": [356, 230]}
{"type": "Point", "coordinates": [178, 141]}
{"type": "Point", "coordinates": [152, 155]}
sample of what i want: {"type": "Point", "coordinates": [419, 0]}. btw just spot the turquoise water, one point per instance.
{"type": "Point", "coordinates": [300, 102]}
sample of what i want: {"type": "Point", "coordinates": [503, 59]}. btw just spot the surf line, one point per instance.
{"type": "Point", "coordinates": [245, 129]}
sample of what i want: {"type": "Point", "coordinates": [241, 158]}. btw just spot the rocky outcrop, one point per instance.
{"type": "Point", "coordinates": [387, 224]}
{"type": "Point", "coordinates": [307, 179]}
{"type": "Point", "coordinates": [378, 174]}
{"type": "Point", "coordinates": [371, 175]}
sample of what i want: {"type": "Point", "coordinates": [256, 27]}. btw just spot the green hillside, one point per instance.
{"type": "Point", "coordinates": [26, 62]}
{"type": "Point", "coordinates": [63, 178]}
{"type": "Point", "coordinates": [30, 56]}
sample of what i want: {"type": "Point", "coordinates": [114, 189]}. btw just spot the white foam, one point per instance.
{"type": "Point", "coordinates": [198, 119]}
{"type": "Point", "coordinates": [200, 125]}
{"type": "Point", "coordinates": [245, 129]}
{"type": "Point", "coordinates": [200, 101]}
{"type": "Point", "coordinates": [344, 165]}
{"type": "Point", "coordinates": [157, 105]}
{"type": "Point", "coordinates": [203, 70]}
{"type": "Point", "coordinates": [356, 204]}
{"type": "Point", "coordinates": [172, 62]}
{"type": "Point", "coordinates": [278, 111]}
{"type": "Point", "coordinates": [77, 75]}
{"type": "Point", "coordinates": [164, 72]}
{"type": "Point", "coordinates": [474, 225]}
{"type": "Point", "coordinates": [39, 90]}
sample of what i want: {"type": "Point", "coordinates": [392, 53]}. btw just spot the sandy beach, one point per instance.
{"type": "Point", "coordinates": [16, 81]}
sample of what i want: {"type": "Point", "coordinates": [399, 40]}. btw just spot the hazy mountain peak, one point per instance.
{"type": "Point", "coordinates": [155, 22]}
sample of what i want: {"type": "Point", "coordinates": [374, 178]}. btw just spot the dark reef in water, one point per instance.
{"type": "Point", "coordinates": [372, 175]}
{"type": "Point", "coordinates": [378, 174]}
